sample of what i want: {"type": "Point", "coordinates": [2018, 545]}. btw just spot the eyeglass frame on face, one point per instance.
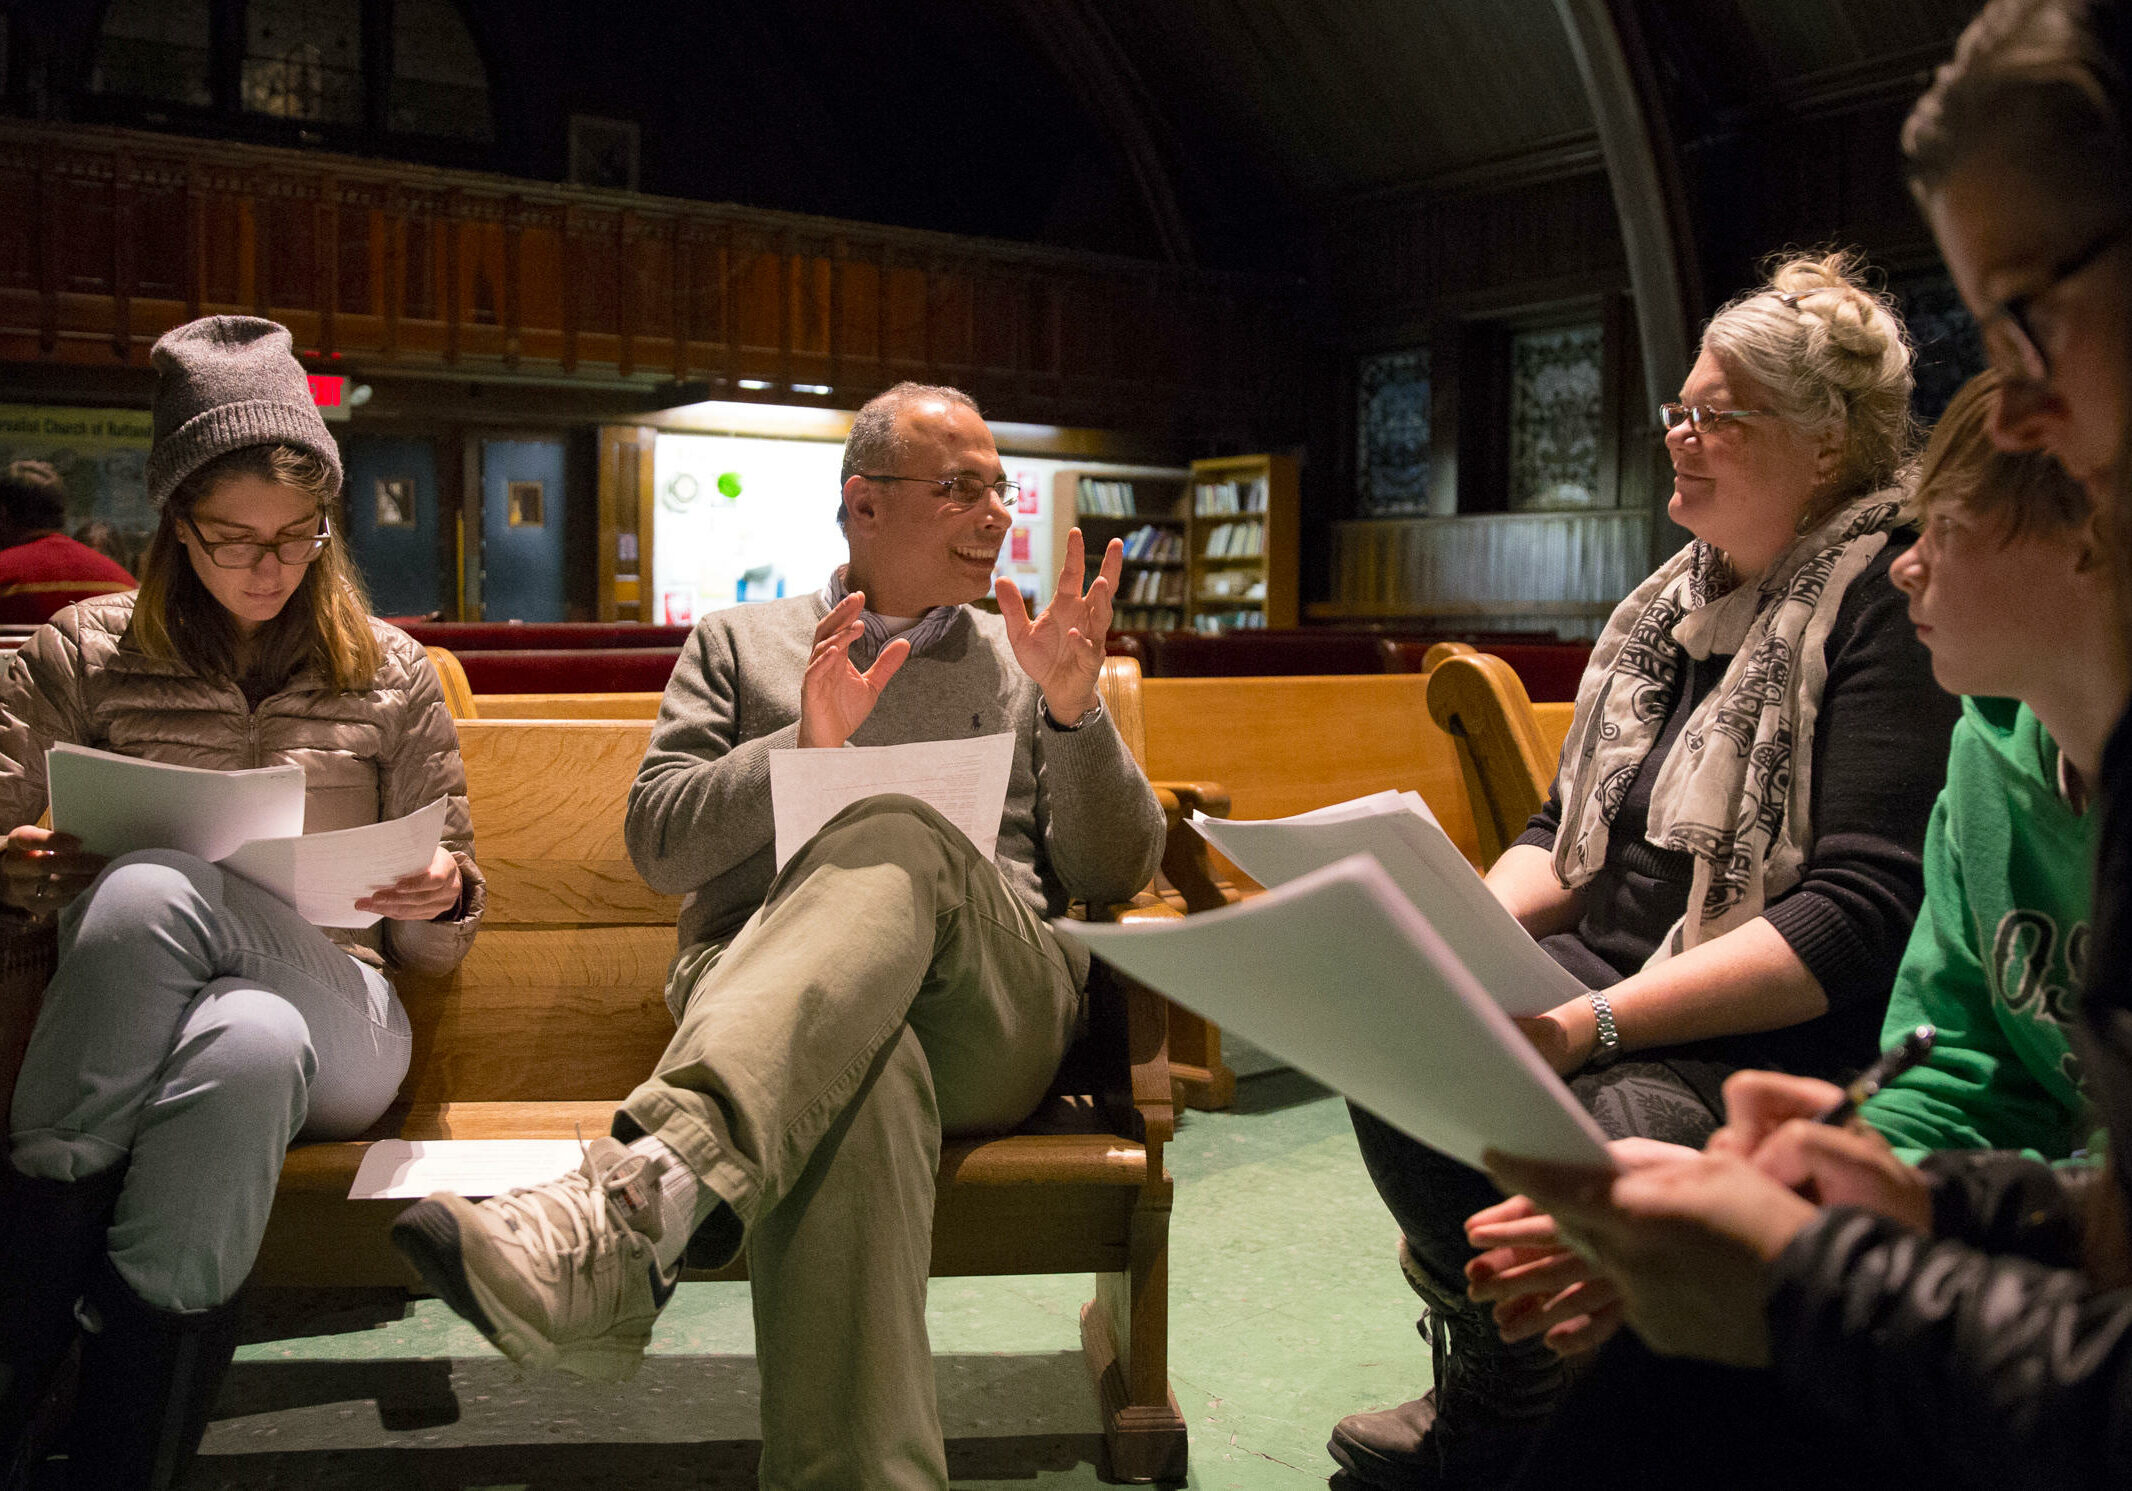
{"type": "Point", "coordinates": [1700, 418]}
{"type": "Point", "coordinates": [1008, 492]}
{"type": "Point", "coordinates": [2033, 364]}
{"type": "Point", "coordinates": [310, 548]}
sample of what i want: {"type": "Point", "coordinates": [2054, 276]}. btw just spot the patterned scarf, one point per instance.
{"type": "Point", "coordinates": [1735, 790]}
{"type": "Point", "coordinates": [930, 628]}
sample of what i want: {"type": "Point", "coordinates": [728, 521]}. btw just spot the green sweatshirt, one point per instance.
{"type": "Point", "coordinates": [1998, 952]}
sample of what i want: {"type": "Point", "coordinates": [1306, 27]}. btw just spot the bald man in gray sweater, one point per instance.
{"type": "Point", "coordinates": [838, 1017]}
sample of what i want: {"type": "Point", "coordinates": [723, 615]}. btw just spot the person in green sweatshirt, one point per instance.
{"type": "Point", "coordinates": [2010, 589]}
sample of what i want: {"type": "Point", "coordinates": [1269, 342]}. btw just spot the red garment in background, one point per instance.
{"type": "Point", "coordinates": [48, 574]}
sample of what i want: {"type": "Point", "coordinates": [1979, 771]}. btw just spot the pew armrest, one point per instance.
{"type": "Point", "coordinates": [1186, 861]}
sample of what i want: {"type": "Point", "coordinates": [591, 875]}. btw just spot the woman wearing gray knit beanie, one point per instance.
{"type": "Point", "coordinates": [196, 1024]}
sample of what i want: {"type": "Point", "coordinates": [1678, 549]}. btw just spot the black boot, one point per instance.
{"type": "Point", "coordinates": [148, 1379]}
{"type": "Point", "coordinates": [51, 1231]}
{"type": "Point", "coordinates": [1472, 1430]}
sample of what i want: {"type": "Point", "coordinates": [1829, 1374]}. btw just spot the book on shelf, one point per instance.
{"type": "Point", "coordinates": [1236, 541]}
{"type": "Point", "coordinates": [1104, 499]}
{"type": "Point", "coordinates": [1146, 619]}
{"type": "Point", "coordinates": [1212, 499]}
{"type": "Point", "coordinates": [1215, 622]}
{"type": "Point", "coordinates": [1148, 544]}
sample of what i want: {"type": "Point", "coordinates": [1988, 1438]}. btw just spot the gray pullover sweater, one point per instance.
{"type": "Point", "coordinates": [1080, 823]}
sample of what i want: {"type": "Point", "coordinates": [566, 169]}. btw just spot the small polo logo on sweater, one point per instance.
{"type": "Point", "coordinates": [977, 722]}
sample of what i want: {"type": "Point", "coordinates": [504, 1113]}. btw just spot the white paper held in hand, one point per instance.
{"type": "Point", "coordinates": [966, 780]}
{"type": "Point", "coordinates": [323, 875]}
{"type": "Point", "coordinates": [1400, 832]}
{"type": "Point", "coordinates": [1339, 976]}
{"type": "Point", "coordinates": [116, 804]}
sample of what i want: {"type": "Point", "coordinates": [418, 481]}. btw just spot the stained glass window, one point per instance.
{"type": "Point", "coordinates": [439, 86]}
{"type": "Point", "coordinates": [1555, 378]}
{"type": "Point", "coordinates": [154, 49]}
{"type": "Point", "coordinates": [303, 59]}
{"type": "Point", "coordinates": [1949, 346]}
{"type": "Point", "coordinates": [1392, 433]}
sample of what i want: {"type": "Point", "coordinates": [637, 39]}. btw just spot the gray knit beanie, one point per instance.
{"type": "Point", "coordinates": [227, 382]}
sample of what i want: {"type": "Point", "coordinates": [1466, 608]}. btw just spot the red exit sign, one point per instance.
{"type": "Point", "coordinates": [330, 392]}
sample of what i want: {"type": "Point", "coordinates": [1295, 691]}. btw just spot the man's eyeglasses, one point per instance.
{"type": "Point", "coordinates": [1701, 419]}
{"type": "Point", "coordinates": [964, 490]}
{"type": "Point", "coordinates": [246, 554]}
{"type": "Point", "coordinates": [2010, 327]}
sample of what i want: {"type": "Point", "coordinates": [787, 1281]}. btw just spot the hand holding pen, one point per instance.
{"type": "Point", "coordinates": [1800, 1131]}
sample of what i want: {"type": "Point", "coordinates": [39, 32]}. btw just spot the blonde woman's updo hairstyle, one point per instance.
{"type": "Point", "coordinates": [1832, 354]}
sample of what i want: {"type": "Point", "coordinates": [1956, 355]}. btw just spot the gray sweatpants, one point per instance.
{"type": "Point", "coordinates": [194, 1026]}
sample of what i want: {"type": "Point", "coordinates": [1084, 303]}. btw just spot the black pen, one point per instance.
{"type": "Point", "coordinates": [1897, 1059]}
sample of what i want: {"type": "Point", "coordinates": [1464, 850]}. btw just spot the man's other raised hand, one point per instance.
{"type": "Point", "coordinates": [1062, 649]}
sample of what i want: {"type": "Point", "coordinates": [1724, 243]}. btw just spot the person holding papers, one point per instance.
{"type": "Point", "coordinates": [196, 1023]}
{"type": "Point", "coordinates": [1730, 857]}
{"type": "Point", "coordinates": [1970, 1317]}
{"type": "Point", "coordinates": [888, 985]}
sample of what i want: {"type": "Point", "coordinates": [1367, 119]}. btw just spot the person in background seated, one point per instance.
{"type": "Point", "coordinates": [1970, 1319]}
{"type": "Point", "coordinates": [890, 985]}
{"type": "Point", "coordinates": [1730, 857]}
{"type": "Point", "coordinates": [196, 1024]}
{"type": "Point", "coordinates": [41, 569]}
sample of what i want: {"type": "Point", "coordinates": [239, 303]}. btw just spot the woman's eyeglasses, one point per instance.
{"type": "Point", "coordinates": [1701, 419]}
{"type": "Point", "coordinates": [246, 554]}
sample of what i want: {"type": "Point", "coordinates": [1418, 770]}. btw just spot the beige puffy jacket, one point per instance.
{"type": "Point", "coordinates": [366, 757]}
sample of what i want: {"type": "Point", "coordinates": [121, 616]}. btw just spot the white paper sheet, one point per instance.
{"type": "Point", "coordinates": [323, 875]}
{"type": "Point", "coordinates": [1425, 865]}
{"type": "Point", "coordinates": [1337, 974]}
{"type": "Point", "coordinates": [395, 1169]}
{"type": "Point", "coordinates": [116, 804]}
{"type": "Point", "coordinates": [965, 779]}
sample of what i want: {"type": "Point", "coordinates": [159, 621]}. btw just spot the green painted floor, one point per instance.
{"type": "Point", "coordinates": [1286, 1311]}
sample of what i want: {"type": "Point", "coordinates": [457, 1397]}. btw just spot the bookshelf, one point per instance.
{"type": "Point", "coordinates": [1146, 508]}
{"type": "Point", "coordinates": [1243, 538]}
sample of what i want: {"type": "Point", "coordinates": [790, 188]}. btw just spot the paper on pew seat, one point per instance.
{"type": "Point", "coordinates": [1337, 974]}
{"type": "Point", "coordinates": [323, 875]}
{"type": "Point", "coordinates": [116, 804]}
{"type": "Point", "coordinates": [394, 1169]}
{"type": "Point", "coordinates": [1398, 829]}
{"type": "Point", "coordinates": [966, 780]}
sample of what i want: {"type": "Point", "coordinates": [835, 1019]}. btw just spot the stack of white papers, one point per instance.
{"type": "Point", "coordinates": [1337, 974]}
{"type": "Point", "coordinates": [249, 822]}
{"type": "Point", "coordinates": [1401, 834]}
{"type": "Point", "coordinates": [966, 780]}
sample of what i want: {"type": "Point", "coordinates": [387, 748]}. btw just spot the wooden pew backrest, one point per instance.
{"type": "Point", "coordinates": [1506, 756]}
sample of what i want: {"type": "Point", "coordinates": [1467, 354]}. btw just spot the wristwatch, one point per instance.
{"type": "Point", "coordinates": [1609, 1037]}
{"type": "Point", "coordinates": [1092, 714]}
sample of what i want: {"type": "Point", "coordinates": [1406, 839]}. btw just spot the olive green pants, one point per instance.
{"type": "Point", "coordinates": [892, 989]}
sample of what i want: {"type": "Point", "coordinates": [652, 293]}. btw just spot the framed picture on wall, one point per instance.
{"type": "Point", "coordinates": [527, 504]}
{"type": "Point", "coordinates": [395, 502]}
{"type": "Point", "coordinates": [603, 152]}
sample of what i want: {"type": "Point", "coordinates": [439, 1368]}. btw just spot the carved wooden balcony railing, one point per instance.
{"type": "Point", "coordinates": [109, 237]}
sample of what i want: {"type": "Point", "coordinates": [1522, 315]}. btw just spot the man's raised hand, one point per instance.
{"type": "Point", "coordinates": [835, 697]}
{"type": "Point", "coordinates": [1062, 650]}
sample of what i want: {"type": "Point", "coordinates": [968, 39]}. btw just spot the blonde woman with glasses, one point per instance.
{"type": "Point", "coordinates": [1729, 860]}
{"type": "Point", "coordinates": [197, 1024]}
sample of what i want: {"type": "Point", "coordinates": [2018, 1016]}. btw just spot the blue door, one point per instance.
{"type": "Point", "coordinates": [523, 510]}
{"type": "Point", "coordinates": [390, 502]}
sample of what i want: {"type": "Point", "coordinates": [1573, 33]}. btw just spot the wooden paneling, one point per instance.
{"type": "Point", "coordinates": [110, 237]}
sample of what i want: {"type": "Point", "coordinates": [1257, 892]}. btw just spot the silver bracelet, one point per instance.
{"type": "Point", "coordinates": [1603, 1012]}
